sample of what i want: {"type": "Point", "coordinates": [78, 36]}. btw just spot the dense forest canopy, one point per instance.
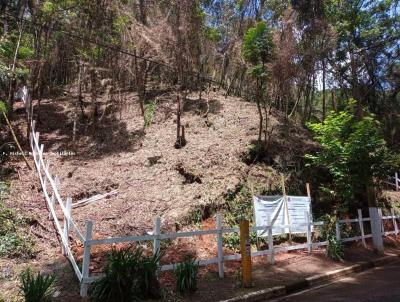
{"type": "Point", "coordinates": [302, 58]}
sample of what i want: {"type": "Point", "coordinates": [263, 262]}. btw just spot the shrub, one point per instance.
{"type": "Point", "coordinates": [334, 249]}
{"type": "Point", "coordinates": [37, 288]}
{"type": "Point", "coordinates": [149, 113]}
{"type": "Point", "coordinates": [354, 152]}
{"type": "Point", "coordinates": [186, 275]}
{"type": "Point", "coordinates": [128, 276]}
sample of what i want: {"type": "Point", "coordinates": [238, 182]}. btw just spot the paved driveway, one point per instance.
{"type": "Point", "coordinates": [378, 284]}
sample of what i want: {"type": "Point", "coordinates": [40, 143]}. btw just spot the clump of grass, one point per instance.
{"type": "Point", "coordinates": [35, 288]}
{"type": "Point", "coordinates": [149, 110]}
{"type": "Point", "coordinates": [129, 276]}
{"type": "Point", "coordinates": [186, 275]}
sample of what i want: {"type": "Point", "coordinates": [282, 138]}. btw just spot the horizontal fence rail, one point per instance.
{"type": "Point", "coordinates": [394, 181]}
{"type": "Point", "coordinates": [66, 225]}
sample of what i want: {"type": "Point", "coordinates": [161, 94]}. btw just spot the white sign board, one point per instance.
{"type": "Point", "coordinates": [275, 210]}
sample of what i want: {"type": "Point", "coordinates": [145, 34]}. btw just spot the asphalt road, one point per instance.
{"type": "Point", "coordinates": [378, 284]}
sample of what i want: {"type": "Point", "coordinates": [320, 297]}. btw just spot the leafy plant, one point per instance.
{"type": "Point", "coordinates": [12, 243]}
{"type": "Point", "coordinates": [186, 275]}
{"type": "Point", "coordinates": [334, 249]}
{"type": "Point", "coordinates": [353, 151]}
{"type": "Point", "coordinates": [149, 110]}
{"type": "Point", "coordinates": [128, 276]}
{"type": "Point", "coordinates": [38, 287]}
{"type": "Point", "coordinates": [257, 44]}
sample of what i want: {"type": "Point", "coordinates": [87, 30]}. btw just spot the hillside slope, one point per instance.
{"type": "Point", "coordinates": [153, 178]}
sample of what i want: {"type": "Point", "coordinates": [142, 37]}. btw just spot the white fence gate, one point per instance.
{"type": "Point", "coordinates": [66, 227]}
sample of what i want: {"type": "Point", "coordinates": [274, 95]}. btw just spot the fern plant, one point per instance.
{"type": "Point", "coordinates": [186, 275]}
{"type": "Point", "coordinates": [38, 287]}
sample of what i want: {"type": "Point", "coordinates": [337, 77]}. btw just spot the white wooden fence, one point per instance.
{"type": "Point", "coordinates": [394, 181]}
{"type": "Point", "coordinates": [66, 226]}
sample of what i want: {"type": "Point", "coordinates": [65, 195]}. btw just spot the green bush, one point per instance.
{"type": "Point", "coordinates": [35, 288]}
{"type": "Point", "coordinates": [129, 276]}
{"type": "Point", "coordinates": [186, 275]}
{"type": "Point", "coordinates": [334, 248]}
{"type": "Point", "coordinates": [354, 153]}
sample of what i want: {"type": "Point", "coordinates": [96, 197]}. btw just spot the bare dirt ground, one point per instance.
{"type": "Point", "coordinates": [154, 178]}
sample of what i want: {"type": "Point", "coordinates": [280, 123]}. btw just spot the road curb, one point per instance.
{"type": "Point", "coordinates": [305, 283]}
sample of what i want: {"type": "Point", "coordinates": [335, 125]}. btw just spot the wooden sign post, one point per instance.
{"type": "Point", "coordinates": [245, 250]}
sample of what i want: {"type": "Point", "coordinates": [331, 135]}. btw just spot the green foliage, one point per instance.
{"type": "Point", "coordinates": [334, 249]}
{"type": "Point", "coordinates": [232, 240]}
{"type": "Point", "coordinates": [257, 46]}
{"type": "Point", "coordinates": [239, 202]}
{"type": "Point", "coordinates": [239, 205]}
{"type": "Point", "coordinates": [35, 288]}
{"type": "Point", "coordinates": [353, 151]}
{"type": "Point", "coordinates": [3, 107]}
{"type": "Point", "coordinates": [212, 34]}
{"type": "Point", "coordinates": [128, 276]}
{"type": "Point", "coordinates": [149, 110]}
{"type": "Point", "coordinates": [186, 275]}
{"type": "Point", "coordinates": [12, 242]}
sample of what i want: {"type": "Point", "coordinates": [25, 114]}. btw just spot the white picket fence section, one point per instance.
{"type": "Point", "coordinates": [394, 181]}
{"type": "Point", "coordinates": [66, 226]}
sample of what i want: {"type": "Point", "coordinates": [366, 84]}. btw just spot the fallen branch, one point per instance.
{"type": "Point", "coordinates": [16, 140]}
{"type": "Point", "coordinates": [92, 199]}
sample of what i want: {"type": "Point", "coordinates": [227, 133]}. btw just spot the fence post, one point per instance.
{"type": "Point", "coordinates": [53, 203]}
{"type": "Point", "coordinates": [396, 179]}
{"type": "Point", "coordinates": [309, 243]}
{"type": "Point", "coordinates": [396, 229]}
{"type": "Point", "coordinates": [157, 232]}
{"type": "Point", "coordinates": [220, 246]}
{"type": "Point", "coordinates": [67, 217]}
{"type": "Point", "coordinates": [376, 229]}
{"type": "Point", "coordinates": [86, 259]}
{"type": "Point", "coordinates": [338, 237]}
{"type": "Point", "coordinates": [271, 259]}
{"type": "Point", "coordinates": [53, 197]}
{"type": "Point", "coordinates": [361, 224]}
{"type": "Point", "coordinates": [37, 139]}
{"type": "Point", "coordinates": [382, 226]}
{"type": "Point", "coordinates": [46, 169]}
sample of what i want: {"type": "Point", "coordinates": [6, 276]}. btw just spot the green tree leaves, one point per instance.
{"type": "Point", "coordinates": [353, 151]}
{"type": "Point", "coordinates": [257, 44]}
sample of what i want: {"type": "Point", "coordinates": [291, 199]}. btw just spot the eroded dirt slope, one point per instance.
{"type": "Point", "coordinates": [153, 178]}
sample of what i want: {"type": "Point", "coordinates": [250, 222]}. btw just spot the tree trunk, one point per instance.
{"type": "Point", "coordinates": [80, 97]}
{"type": "Point", "coordinates": [371, 196]}
{"type": "Point", "coordinates": [334, 105]}
{"type": "Point", "coordinates": [260, 127]}
{"type": "Point", "coordinates": [355, 87]}
{"type": "Point", "coordinates": [93, 88]}
{"type": "Point", "coordinates": [323, 89]}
